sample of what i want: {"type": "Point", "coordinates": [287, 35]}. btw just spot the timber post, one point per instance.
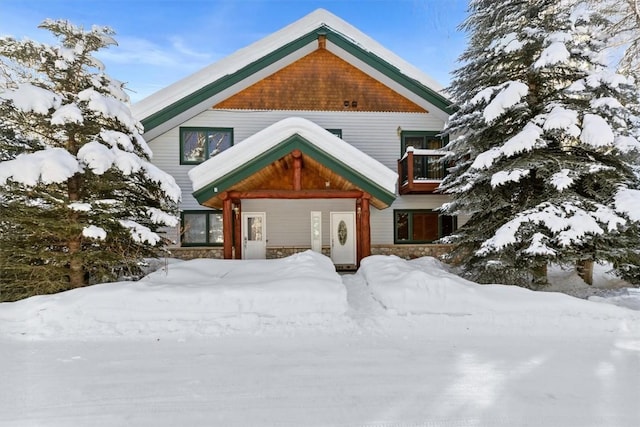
{"type": "Point", "coordinates": [366, 226]}
{"type": "Point", "coordinates": [297, 169]}
{"type": "Point", "coordinates": [358, 231]}
{"type": "Point", "coordinates": [227, 226]}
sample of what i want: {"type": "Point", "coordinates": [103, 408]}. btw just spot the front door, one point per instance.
{"type": "Point", "coordinates": [254, 236]}
{"type": "Point", "coordinates": [343, 238]}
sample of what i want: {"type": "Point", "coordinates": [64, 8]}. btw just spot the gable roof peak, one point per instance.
{"type": "Point", "coordinates": [382, 179]}
{"type": "Point", "coordinates": [170, 96]}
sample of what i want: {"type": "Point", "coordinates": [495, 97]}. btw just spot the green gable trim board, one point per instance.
{"type": "Point", "coordinates": [392, 72]}
{"type": "Point", "coordinates": [285, 147]}
{"type": "Point", "coordinates": [223, 83]}
{"type": "Point", "coordinates": [170, 102]}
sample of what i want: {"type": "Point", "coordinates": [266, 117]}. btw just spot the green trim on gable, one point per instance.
{"type": "Point", "coordinates": [392, 72]}
{"type": "Point", "coordinates": [223, 83]}
{"type": "Point", "coordinates": [282, 149]}
{"type": "Point", "coordinates": [210, 90]}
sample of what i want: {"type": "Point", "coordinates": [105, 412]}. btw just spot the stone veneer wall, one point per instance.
{"type": "Point", "coordinates": [285, 251]}
{"type": "Point", "coordinates": [411, 251]}
{"type": "Point", "coordinates": [187, 253]}
{"type": "Point", "coordinates": [403, 251]}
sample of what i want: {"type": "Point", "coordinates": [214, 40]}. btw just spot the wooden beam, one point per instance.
{"type": "Point", "coordinates": [297, 169]}
{"type": "Point", "coordinates": [410, 170]}
{"type": "Point", "coordinates": [366, 227]}
{"type": "Point", "coordinates": [358, 231]}
{"type": "Point", "coordinates": [302, 194]}
{"type": "Point", "coordinates": [227, 228]}
{"type": "Point", "coordinates": [322, 41]}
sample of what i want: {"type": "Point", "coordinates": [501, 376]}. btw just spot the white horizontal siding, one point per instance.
{"type": "Point", "coordinates": [289, 221]}
{"type": "Point", "coordinates": [375, 134]}
{"type": "Point", "coordinates": [289, 224]}
{"type": "Point", "coordinates": [166, 155]}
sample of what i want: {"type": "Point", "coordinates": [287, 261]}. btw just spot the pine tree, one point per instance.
{"type": "Point", "coordinates": [80, 201]}
{"type": "Point", "coordinates": [625, 31]}
{"type": "Point", "coordinates": [544, 142]}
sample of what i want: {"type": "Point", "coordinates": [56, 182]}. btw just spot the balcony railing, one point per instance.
{"type": "Point", "coordinates": [421, 171]}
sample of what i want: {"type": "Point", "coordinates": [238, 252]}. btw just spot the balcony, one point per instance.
{"type": "Point", "coordinates": [420, 171]}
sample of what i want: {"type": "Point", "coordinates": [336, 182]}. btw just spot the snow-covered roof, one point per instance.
{"type": "Point", "coordinates": [261, 142]}
{"type": "Point", "coordinates": [235, 62]}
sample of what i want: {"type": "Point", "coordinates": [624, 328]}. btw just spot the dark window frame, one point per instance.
{"type": "Point", "coordinates": [336, 132]}
{"type": "Point", "coordinates": [182, 131]}
{"type": "Point", "coordinates": [207, 230]}
{"type": "Point", "coordinates": [424, 165]}
{"type": "Point", "coordinates": [410, 212]}
{"type": "Point", "coordinates": [426, 134]}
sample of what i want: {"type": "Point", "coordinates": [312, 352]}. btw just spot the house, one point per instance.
{"type": "Point", "coordinates": [315, 137]}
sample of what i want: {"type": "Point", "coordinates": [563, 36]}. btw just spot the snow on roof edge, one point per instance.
{"type": "Point", "coordinates": [245, 56]}
{"type": "Point", "coordinates": [245, 151]}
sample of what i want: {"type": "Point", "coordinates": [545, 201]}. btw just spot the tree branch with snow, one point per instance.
{"type": "Point", "coordinates": [68, 137]}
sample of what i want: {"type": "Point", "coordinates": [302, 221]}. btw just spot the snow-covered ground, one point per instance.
{"type": "Point", "coordinates": [291, 343]}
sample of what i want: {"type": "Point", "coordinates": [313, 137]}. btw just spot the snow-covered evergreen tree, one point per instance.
{"type": "Point", "coordinates": [625, 32]}
{"type": "Point", "coordinates": [80, 201]}
{"type": "Point", "coordinates": [545, 144]}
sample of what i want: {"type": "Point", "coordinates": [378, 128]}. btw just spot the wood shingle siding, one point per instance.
{"type": "Point", "coordinates": [320, 82]}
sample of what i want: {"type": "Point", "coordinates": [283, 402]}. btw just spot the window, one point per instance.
{"type": "Point", "coordinates": [425, 140]}
{"type": "Point", "coordinates": [200, 144]}
{"type": "Point", "coordinates": [201, 228]}
{"type": "Point", "coordinates": [336, 132]}
{"type": "Point", "coordinates": [425, 166]}
{"type": "Point", "coordinates": [421, 226]}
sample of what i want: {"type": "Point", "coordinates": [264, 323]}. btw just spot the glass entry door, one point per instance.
{"type": "Point", "coordinates": [343, 238]}
{"type": "Point", "coordinates": [254, 236]}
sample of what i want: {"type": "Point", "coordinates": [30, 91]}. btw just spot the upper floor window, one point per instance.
{"type": "Point", "coordinates": [422, 140]}
{"type": "Point", "coordinates": [427, 158]}
{"type": "Point", "coordinates": [200, 144]}
{"type": "Point", "coordinates": [336, 132]}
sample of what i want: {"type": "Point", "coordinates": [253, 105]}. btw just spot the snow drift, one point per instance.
{"type": "Point", "coordinates": [303, 292]}
{"type": "Point", "coordinates": [198, 296]}
{"type": "Point", "coordinates": [425, 285]}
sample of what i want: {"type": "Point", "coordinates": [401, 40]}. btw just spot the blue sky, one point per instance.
{"type": "Point", "coordinates": [161, 41]}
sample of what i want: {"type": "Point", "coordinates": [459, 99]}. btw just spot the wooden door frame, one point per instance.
{"type": "Point", "coordinates": [232, 207]}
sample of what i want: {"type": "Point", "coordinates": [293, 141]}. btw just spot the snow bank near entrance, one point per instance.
{"type": "Point", "coordinates": [203, 296]}
{"type": "Point", "coordinates": [302, 283]}
{"type": "Point", "coordinates": [303, 292]}
{"type": "Point", "coordinates": [417, 286]}
{"type": "Point", "coordinates": [425, 286]}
